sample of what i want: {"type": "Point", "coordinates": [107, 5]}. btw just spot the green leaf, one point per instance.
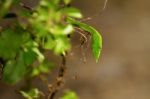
{"type": "Point", "coordinates": [62, 45]}
{"type": "Point", "coordinates": [33, 48]}
{"type": "Point", "coordinates": [61, 29]}
{"type": "Point", "coordinates": [55, 1]}
{"type": "Point", "coordinates": [96, 37]}
{"type": "Point", "coordinates": [10, 43]}
{"type": "Point", "coordinates": [31, 52]}
{"type": "Point", "coordinates": [72, 12]}
{"type": "Point", "coordinates": [69, 95]}
{"type": "Point", "coordinates": [32, 94]}
{"type": "Point", "coordinates": [14, 70]}
{"type": "Point", "coordinates": [67, 1]}
{"type": "Point", "coordinates": [40, 56]}
{"type": "Point", "coordinates": [29, 57]}
{"type": "Point", "coordinates": [44, 67]}
{"type": "Point", "coordinates": [48, 42]}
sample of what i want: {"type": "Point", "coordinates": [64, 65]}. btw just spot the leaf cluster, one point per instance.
{"type": "Point", "coordinates": [46, 27]}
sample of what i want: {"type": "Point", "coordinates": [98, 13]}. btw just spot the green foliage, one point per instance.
{"type": "Point", "coordinates": [72, 12]}
{"type": "Point", "coordinates": [14, 70]}
{"type": "Point", "coordinates": [35, 31]}
{"type": "Point", "coordinates": [42, 68]}
{"type": "Point", "coordinates": [67, 1]}
{"type": "Point", "coordinates": [32, 94]}
{"type": "Point", "coordinates": [69, 95]}
{"type": "Point", "coordinates": [10, 43]}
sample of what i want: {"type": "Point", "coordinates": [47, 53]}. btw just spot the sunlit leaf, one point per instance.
{"type": "Point", "coordinates": [62, 45]}
{"type": "Point", "coordinates": [44, 67]}
{"type": "Point", "coordinates": [55, 1]}
{"type": "Point", "coordinates": [67, 1]}
{"type": "Point", "coordinates": [32, 94]}
{"type": "Point", "coordinates": [61, 29]}
{"type": "Point", "coordinates": [30, 54]}
{"type": "Point", "coordinates": [72, 12]}
{"type": "Point", "coordinates": [40, 56]}
{"type": "Point", "coordinates": [48, 42]}
{"type": "Point", "coordinates": [69, 95]}
{"type": "Point", "coordinates": [96, 37]}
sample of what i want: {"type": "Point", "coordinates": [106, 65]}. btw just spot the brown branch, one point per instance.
{"type": "Point", "coordinates": [2, 62]}
{"type": "Point", "coordinates": [1, 71]}
{"type": "Point", "coordinates": [54, 88]}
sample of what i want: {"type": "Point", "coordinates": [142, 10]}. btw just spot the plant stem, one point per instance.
{"type": "Point", "coordinates": [54, 88]}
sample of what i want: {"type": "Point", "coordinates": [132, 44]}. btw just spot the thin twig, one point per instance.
{"type": "Point", "coordinates": [54, 88]}
{"type": "Point", "coordinates": [105, 4]}
{"type": "Point", "coordinates": [2, 62]}
{"type": "Point", "coordinates": [25, 6]}
{"type": "Point", "coordinates": [97, 14]}
{"type": "Point", "coordinates": [83, 35]}
{"type": "Point", "coordinates": [1, 71]}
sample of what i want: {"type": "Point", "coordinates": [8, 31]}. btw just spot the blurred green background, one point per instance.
{"type": "Point", "coordinates": [123, 70]}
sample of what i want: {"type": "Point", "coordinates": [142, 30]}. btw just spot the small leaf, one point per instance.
{"type": "Point", "coordinates": [10, 42]}
{"type": "Point", "coordinates": [32, 94]}
{"type": "Point", "coordinates": [48, 42]}
{"type": "Point", "coordinates": [31, 52]}
{"type": "Point", "coordinates": [67, 1]}
{"type": "Point", "coordinates": [29, 57]}
{"type": "Point", "coordinates": [69, 95]}
{"type": "Point", "coordinates": [96, 37]}
{"type": "Point", "coordinates": [44, 67]}
{"type": "Point", "coordinates": [72, 12]}
{"type": "Point", "coordinates": [40, 56]}
{"type": "Point", "coordinates": [14, 70]}
{"type": "Point", "coordinates": [61, 29]}
{"type": "Point", "coordinates": [55, 1]}
{"type": "Point", "coordinates": [62, 45]}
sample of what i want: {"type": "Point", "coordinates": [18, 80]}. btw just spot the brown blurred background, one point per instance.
{"type": "Point", "coordinates": [123, 70]}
